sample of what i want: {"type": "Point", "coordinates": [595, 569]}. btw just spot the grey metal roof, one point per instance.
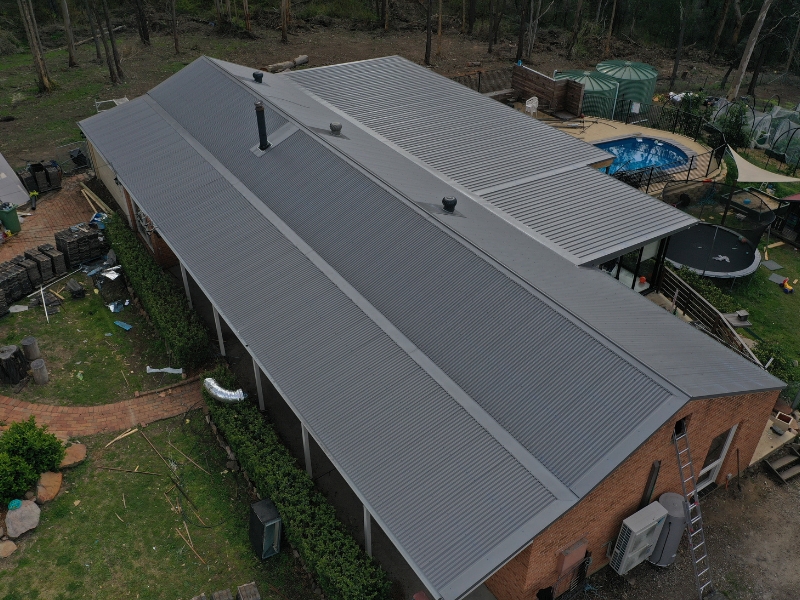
{"type": "Point", "coordinates": [439, 348]}
{"type": "Point", "coordinates": [590, 215]}
{"type": "Point", "coordinates": [11, 189]}
{"type": "Point", "coordinates": [530, 172]}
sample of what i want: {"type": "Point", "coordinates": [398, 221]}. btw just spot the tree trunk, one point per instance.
{"type": "Point", "coordinates": [228, 10]}
{"type": "Point", "coordinates": [439, 33]}
{"type": "Point", "coordinates": [174, 26]}
{"type": "Point", "coordinates": [109, 61]}
{"type": "Point", "coordinates": [246, 11]}
{"type": "Point", "coordinates": [94, 30]}
{"type": "Point", "coordinates": [494, 31]}
{"type": "Point", "coordinates": [737, 29]}
{"type": "Point", "coordinates": [112, 39]}
{"type": "Point", "coordinates": [576, 29]}
{"type": "Point", "coordinates": [607, 49]}
{"type": "Point", "coordinates": [751, 89]}
{"type": "Point", "coordinates": [471, 16]}
{"type": "Point", "coordinates": [724, 81]}
{"type": "Point", "coordinates": [600, 4]}
{"type": "Point", "coordinates": [73, 61]}
{"type": "Point", "coordinates": [522, 28]}
{"type": "Point", "coordinates": [793, 49]}
{"type": "Point", "coordinates": [285, 21]}
{"type": "Point", "coordinates": [141, 20]}
{"type": "Point", "coordinates": [492, 10]}
{"type": "Point", "coordinates": [386, 15]}
{"type": "Point", "coordinates": [748, 50]}
{"type": "Point", "coordinates": [533, 26]}
{"type": "Point", "coordinates": [720, 26]}
{"type": "Point", "coordinates": [428, 31]}
{"type": "Point", "coordinates": [31, 30]}
{"type": "Point", "coordinates": [679, 47]}
{"type": "Point", "coordinates": [13, 365]}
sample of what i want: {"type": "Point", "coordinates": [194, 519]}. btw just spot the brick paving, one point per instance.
{"type": "Point", "coordinates": [75, 421]}
{"type": "Point", "coordinates": [55, 211]}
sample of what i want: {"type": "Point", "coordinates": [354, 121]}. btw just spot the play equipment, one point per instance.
{"type": "Point", "coordinates": [787, 289]}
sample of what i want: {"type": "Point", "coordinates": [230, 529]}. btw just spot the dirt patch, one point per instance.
{"type": "Point", "coordinates": [752, 539]}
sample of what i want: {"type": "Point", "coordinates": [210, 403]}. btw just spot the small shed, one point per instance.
{"type": "Point", "coordinates": [11, 189]}
{"type": "Point", "coordinates": [599, 91]}
{"type": "Point", "coordinates": [637, 81]}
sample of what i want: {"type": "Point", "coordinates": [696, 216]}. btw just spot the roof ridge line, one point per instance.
{"type": "Point", "coordinates": [503, 437]}
{"type": "Point", "coordinates": [624, 354]}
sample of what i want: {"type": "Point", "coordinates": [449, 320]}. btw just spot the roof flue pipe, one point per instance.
{"type": "Point", "coordinates": [263, 143]}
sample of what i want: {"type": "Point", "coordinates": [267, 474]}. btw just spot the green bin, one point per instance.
{"type": "Point", "coordinates": [8, 215]}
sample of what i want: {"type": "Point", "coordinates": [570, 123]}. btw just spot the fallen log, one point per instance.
{"type": "Point", "coordinates": [87, 40]}
{"type": "Point", "coordinates": [289, 64]}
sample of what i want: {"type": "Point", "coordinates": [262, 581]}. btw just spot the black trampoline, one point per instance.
{"type": "Point", "coordinates": [713, 251]}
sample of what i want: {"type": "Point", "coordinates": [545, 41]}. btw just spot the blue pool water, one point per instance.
{"type": "Point", "coordinates": [638, 153]}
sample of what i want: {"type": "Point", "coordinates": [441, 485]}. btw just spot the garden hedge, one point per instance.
{"type": "Point", "coordinates": [26, 451]}
{"type": "Point", "coordinates": [178, 325]}
{"type": "Point", "coordinates": [339, 565]}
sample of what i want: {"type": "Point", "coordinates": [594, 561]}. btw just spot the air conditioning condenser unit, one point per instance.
{"type": "Point", "coordinates": [637, 537]}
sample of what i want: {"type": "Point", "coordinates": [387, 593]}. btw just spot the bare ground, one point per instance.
{"type": "Point", "coordinates": [44, 122]}
{"type": "Point", "coordinates": [752, 538]}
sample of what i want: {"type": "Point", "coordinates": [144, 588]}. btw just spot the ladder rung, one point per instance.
{"type": "Point", "coordinates": [695, 532]}
{"type": "Point", "coordinates": [684, 450]}
{"type": "Point", "coordinates": [703, 572]}
{"type": "Point", "coordinates": [700, 545]}
{"type": "Point", "coordinates": [687, 480]}
{"type": "Point", "coordinates": [697, 519]}
{"type": "Point", "coordinates": [701, 559]}
{"type": "Point", "coordinates": [704, 586]}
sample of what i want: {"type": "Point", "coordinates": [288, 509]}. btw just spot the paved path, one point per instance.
{"type": "Point", "coordinates": [75, 421]}
{"type": "Point", "coordinates": [55, 211]}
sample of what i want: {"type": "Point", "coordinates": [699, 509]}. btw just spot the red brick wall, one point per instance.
{"type": "Point", "coordinates": [164, 255]}
{"type": "Point", "coordinates": [599, 515]}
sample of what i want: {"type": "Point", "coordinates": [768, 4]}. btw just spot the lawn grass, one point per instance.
{"type": "Point", "coordinates": [774, 314]}
{"type": "Point", "coordinates": [92, 544]}
{"type": "Point", "coordinates": [86, 366]}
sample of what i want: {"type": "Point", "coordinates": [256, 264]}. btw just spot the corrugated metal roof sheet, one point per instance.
{"type": "Point", "coordinates": [382, 324]}
{"type": "Point", "coordinates": [592, 216]}
{"type": "Point", "coordinates": [530, 171]}
{"type": "Point", "coordinates": [454, 129]}
{"type": "Point", "coordinates": [376, 412]}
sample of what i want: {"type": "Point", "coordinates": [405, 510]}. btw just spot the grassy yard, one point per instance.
{"type": "Point", "coordinates": [774, 314]}
{"type": "Point", "coordinates": [86, 365]}
{"type": "Point", "coordinates": [111, 534]}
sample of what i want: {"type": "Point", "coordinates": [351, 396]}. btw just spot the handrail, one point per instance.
{"type": "Point", "coordinates": [703, 312]}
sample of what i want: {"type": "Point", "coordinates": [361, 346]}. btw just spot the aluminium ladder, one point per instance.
{"type": "Point", "coordinates": [694, 518]}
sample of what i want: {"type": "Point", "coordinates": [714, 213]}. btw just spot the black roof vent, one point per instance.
{"type": "Point", "coordinates": [263, 143]}
{"type": "Point", "coordinates": [336, 128]}
{"type": "Point", "coordinates": [449, 204]}
{"type": "Point", "coordinates": [258, 77]}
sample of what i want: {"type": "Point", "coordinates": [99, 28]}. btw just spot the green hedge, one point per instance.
{"type": "Point", "coordinates": [723, 302]}
{"type": "Point", "coordinates": [340, 566]}
{"type": "Point", "coordinates": [26, 451]}
{"type": "Point", "coordinates": [167, 306]}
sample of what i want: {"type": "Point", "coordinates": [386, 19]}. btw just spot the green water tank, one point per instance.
{"type": "Point", "coordinates": [637, 81]}
{"type": "Point", "coordinates": [599, 91]}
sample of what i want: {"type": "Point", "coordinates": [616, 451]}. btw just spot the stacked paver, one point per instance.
{"type": "Point", "coordinates": [43, 262]}
{"type": "Point", "coordinates": [57, 258]}
{"type": "Point", "coordinates": [80, 244]}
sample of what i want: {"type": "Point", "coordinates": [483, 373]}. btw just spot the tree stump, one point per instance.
{"type": "Point", "coordinates": [30, 348]}
{"type": "Point", "coordinates": [39, 369]}
{"type": "Point", "coordinates": [13, 364]}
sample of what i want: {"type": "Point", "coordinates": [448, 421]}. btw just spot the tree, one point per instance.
{"type": "Point", "coordinates": [439, 32]}
{"type": "Point", "coordinates": [428, 34]}
{"type": "Point", "coordinates": [793, 48]}
{"type": "Point", "coordinates": [737, 29]}
{"type": "Point", "coordinates": [533, 24]}
{"type": "Point", "coordinates": [522, 26]}
{"type": "Point", "coordinates": [285, 21]}
{"type": "Point", "coordinates": [112, 39]}
{"type": "Point", "coordinates": [679, 46]}
{"type": "Point", "coordinates": [35, 43]}
{"type": "Point", "coordinates": [109, 61]}
{"type": "Point", "coordinates": [89, 18]}
{"type": "Point", "coordinates": [141, 22]}
{"type": "Point", "coordinates": [751, 89]}
{"type": "Point", "coordinates": [720, 26]}
{"type": "Point", "coordinates": [733, 92]}
{"type": "Point", "coordinates": [471, 16]}
{"type": "Point", "coordinates": [174, 27]}
{"type": "Point", "coordinates": [497, 13]}
{"type": "Point", "coordinates": [607, 49]}
{"type": "Point", "coordinates": [576, 28]}
{"type": "Point", "coordinates": [73, 61]}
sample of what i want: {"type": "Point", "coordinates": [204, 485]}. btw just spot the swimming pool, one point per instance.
{"type": "Point", "coordinates": [640, 152]}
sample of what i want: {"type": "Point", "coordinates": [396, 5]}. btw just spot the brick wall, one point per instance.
{"type": "Point", "coordinates": [599, 515]}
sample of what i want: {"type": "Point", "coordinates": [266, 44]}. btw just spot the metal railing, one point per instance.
{"type": "Point", "coordinates": [704, 316]}
{"type": "Point", "coordinates": [652, 180]}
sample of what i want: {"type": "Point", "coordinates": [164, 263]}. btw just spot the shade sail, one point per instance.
{"type": "Point", "coordinates": [749, 173]}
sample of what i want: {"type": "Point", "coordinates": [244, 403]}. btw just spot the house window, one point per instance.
{"type": "Point", "coordinates": [714, 458]}
{"type": "Point", "coordinates": [144, 225]}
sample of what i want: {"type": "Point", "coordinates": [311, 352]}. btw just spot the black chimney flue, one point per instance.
{"type": "Point", "coordinates": [449, 204]}
{"type": "Point", "coordinates": [258, 77]}
{"type": "Point", "coordinates": [263, 143]}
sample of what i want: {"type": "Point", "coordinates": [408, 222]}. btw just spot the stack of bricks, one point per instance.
{"type": "Point", "coordinates": [3, 304]}
{"type": "Point", "coordinates": [43, 262]}
{"type": "Point", "coordinates": [80, 244]}
{"type": "Point", "coordinates": [14, 281]}
{"type": "Point", "coordinates": [34, 276]}
{"type": "Point", "coordinates": [57, 258]}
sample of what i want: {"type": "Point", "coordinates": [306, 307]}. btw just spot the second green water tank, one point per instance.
{"type": "Point", "coordinates": [599, 91]}
{"type": "Point", "coordinates": [637, 81]}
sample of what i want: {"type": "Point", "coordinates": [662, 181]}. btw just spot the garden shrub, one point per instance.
{"type": "Point", "coordinates": [16, 477]}
{"type": "Point", "coordinates": [341, 568]}
{"type": "Point", "coordinates": [716, 297]}
{"type": "Point", "coordinates": [782, 366]}
{"type": "Point", "coordinates": [175, 321]}
{"type": "Point", "coordinates": [42, 451]}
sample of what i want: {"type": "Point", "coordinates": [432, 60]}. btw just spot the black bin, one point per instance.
{"type": "Point", "coordinates": [265, 528]}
